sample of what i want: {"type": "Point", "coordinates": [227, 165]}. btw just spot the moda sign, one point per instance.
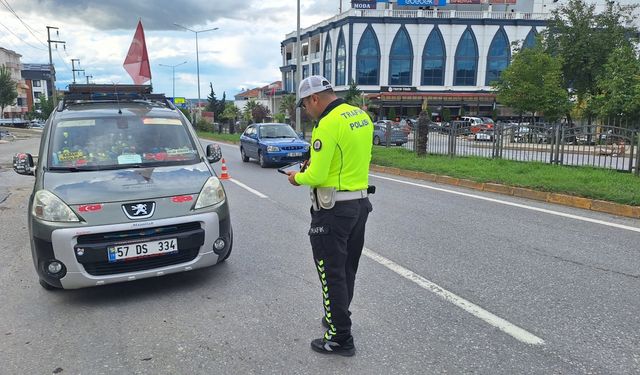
{"type": "Point", "coordinates": [363, 4]}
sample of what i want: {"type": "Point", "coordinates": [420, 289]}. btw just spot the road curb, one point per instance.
{"type": "Point", "coordinates": [555, 198]}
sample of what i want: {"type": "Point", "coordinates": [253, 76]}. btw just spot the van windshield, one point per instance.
{"type": "Point", "coordinates": [119, 142]}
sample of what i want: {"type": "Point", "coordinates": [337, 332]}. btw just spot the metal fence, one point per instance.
{"type": "Point", "coordinates": [612, 145]}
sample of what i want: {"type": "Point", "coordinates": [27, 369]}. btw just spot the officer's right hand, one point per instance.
{"type": "Point", "coordinates": [292, 178]}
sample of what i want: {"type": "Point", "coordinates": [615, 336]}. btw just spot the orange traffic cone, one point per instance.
{"type": "Point", "coordinates": [225, 172]}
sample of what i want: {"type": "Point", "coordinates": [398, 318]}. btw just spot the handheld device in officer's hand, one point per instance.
{"type": "Point", "coordinates": [293, 167]}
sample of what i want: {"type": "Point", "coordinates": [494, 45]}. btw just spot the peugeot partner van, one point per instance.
{"type": "Point", "coordinates": [123, 191]}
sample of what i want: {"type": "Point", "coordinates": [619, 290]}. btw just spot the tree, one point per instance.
{"type": "Point", "coordinates": [354, 95]}
{"type": "Point", "coordinates": [46, 107]}
{"type": "Point", "coordinates": [186, 113]}
{"type": "Point", "coordinates": [584, 40]}
{"type": "Point", "coordinates": [247, 114]}
{"type": "Point", "coordinates": [619, 86]}
{"type": "Point", "coordinates": [288, 105]}
{"type": "Point", "coordinates": [8, 92]}
{"type": "Point", "coordinates": [279, 117]}
{"type": "Point", "coordinates": [222, 104]}
{"type": "Point", "coordinates": [392, 114]}
{"type": "Point", "coordinates": [259, 112]}
{"type": "Point", "coordinates": [446, 115]}
{"type": "Point", "coordinates": [230, 112]}
{"type": "Point", "coordinates": [212, 105]}
{"type": "Point", "coordinates": [533, 82]}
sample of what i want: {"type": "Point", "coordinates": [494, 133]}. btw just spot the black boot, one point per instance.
{"type": "Point", "coordinates": [345, 348]}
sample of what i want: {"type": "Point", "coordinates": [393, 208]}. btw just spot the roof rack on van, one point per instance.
{"type": "Point", "coordinates": [79, 93]}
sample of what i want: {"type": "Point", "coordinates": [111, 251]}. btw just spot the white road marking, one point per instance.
{"type": "Point", "coordinates": [254, 191]}
{"type": "Point", "coordinates": [550, 212]}
{"type": "Point", "coordinates": [477, 311]}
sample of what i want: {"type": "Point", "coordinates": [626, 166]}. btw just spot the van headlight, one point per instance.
{"type": "Point", "coordinates": [211, 193]}
{"type": "Point", "coordinates": [48, 207]}
{"type": "Point", "coordinates": [273, 149]}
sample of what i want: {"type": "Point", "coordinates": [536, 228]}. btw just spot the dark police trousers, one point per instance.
{"type": "Point", "coordinates": [337, 239]}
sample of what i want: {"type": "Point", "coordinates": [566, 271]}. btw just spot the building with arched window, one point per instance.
{"type": "Point", "coordinates": [401, 56]}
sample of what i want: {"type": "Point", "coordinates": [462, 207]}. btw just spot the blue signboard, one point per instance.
{"type": "Point", "coordinates": [422, 3]}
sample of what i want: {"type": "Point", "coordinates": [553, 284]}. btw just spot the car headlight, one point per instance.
{"type": "Point", "coordinates": [47, 206]}
{"type": "Point", "coordinates": [273, 149]}
{"type": "Point", "coordinates": [305, 148]}
{"type": "Point", "coordinates": [211, 193]}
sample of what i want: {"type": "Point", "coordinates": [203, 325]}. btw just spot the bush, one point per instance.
{"type": "Point", "coordinates": [204, 125]}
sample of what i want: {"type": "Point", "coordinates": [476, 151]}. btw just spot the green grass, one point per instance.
{"type": "Point", "coordinates": [234, 138]}
{"type": "Point", "coordinates": [585, 182]}
{"type": "Point", "coordinates": [594, 183]}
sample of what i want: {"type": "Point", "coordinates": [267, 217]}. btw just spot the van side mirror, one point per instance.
{"type": "Point", "coordinates": [301, 135]}
{"type": "Point", "coordinates": [23, 164]}
{"type": "Point", "coordinates": [214, 153]}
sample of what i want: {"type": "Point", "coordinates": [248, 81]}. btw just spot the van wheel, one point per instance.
{"type": "Point", "coordinates": [263, 163]}
{"type": "Point", "coordinates": [398, 143]}
{"type": "Point", "coordinates": [244, 156]}
{"type": "Point", "coordinates": [376, 140]}
{"type": "Point", "coordinates": [46, 285]}
{"type": "Point", "coordinates": [230, 248]}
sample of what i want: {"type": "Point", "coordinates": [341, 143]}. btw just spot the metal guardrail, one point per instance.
{"type": "Point", "coordinates": [612, 146]}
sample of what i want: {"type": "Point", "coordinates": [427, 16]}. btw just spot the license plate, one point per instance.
{"type": "Point", "coordinates": [142, 249]}
{"type": "Point", "coordinates": [294, 154]}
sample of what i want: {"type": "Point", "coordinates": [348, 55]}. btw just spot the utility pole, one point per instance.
{"type": "Point", "coordinates": [52, 69]}
{"type": "Point", "coordinates": [87, 77]}
{"type": "Point", "coordinates": [340, 9]}
{"type": "Point", "coordinates": [298, 74]}
{"type": "Point", "coordinates": [74, 70]}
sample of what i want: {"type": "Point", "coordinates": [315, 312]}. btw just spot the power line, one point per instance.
{"type": "Point", "coordinates": [22, 40]}
{"type": "Point", "coordinates": [29, 29]}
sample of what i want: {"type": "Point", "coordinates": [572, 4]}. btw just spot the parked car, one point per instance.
{"type": "Point", "coordinates": [527, 134]}
{"type": "Point", "coordinates": [488, 121]}
{"type": "Point", "coordinates": [272, 143]}
{"type": "Point", "coordinates": [485, 135]}
{"type": "Point", "coordinates": [408, 125]}
{"type": "Point", "coordinates": [123, 191]}
{"type": "Point", "coordinates": [460, 127]}
{"type": "Point", "coordinates": [397, 136]}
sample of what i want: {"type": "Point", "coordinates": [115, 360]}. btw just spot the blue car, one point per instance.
{"type": "Point", "coordinates": [272, 144]}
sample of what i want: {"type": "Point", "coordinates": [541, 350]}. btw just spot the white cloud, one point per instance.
{"type": "Point", "coordinates": [243, 53]}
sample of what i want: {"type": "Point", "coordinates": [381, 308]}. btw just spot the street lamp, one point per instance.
{"type": "Point", "coordinates": [173, 69]}
{"type": "Point", "coordinates": [197, 53]}
{"type": "Point", "coordinates": [298, 73]}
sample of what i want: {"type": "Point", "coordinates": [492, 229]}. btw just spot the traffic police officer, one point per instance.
{"type": "Point", "coordinates": [338, 175]}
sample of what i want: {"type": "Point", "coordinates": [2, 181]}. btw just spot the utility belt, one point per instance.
{"type": "Point", "coordinates": [326, 197]}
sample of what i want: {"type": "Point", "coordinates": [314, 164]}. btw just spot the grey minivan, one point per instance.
{"type": "Point", "coordinates": [123, 191]}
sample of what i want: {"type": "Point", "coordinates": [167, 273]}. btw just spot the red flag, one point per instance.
{"type": "Point", "coordinates": [137, 61]}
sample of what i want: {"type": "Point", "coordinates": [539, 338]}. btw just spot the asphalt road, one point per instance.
{"type": "Point", "coordinates": [453, 281]}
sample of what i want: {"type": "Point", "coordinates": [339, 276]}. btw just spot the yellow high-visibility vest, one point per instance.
{"type": "Point", "coordinates": [341, 146]}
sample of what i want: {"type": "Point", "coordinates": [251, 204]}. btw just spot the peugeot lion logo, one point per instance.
{"type": "Point", "coordinates": [141, 210]}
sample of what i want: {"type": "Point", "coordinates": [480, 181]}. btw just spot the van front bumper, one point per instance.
{"type": "Point", "coordinates": [82, 250]}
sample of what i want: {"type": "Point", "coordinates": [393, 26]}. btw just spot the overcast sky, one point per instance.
{"type": "Point", "coordinates": [242, 54]}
